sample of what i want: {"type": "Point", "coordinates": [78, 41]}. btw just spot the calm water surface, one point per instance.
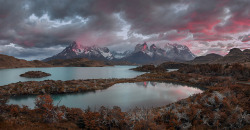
{"type": "Point", "coordinates": [124, 95]}
{"type": "Point", "coordinates": [8, 76]}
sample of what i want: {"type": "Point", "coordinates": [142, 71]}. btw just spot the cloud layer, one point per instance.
{"type": "Point", "coordinates": [42, 24]}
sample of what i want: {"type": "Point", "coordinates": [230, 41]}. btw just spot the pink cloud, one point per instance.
{"type": "Point", "coordinates": [245, 38]}
{"type": "Point", "coordinates": [201, 24]}
{"type": "Point", "coordinates": [209, 38]}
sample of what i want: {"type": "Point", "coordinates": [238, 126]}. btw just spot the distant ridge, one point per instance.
{"type": "Point", "coordinates": [235, 55]}
{"type": "Point", "coordinates": [209, 58]}
{"type": "Point", "coordinates": [12, 62]}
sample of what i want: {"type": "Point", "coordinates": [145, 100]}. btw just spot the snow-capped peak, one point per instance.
{"type": "Point", "coordinates": [141, 47]}
{"type": "Point", "coordinates": [76, 47]}
{"type": "Point", "coordinates": [76, 50]}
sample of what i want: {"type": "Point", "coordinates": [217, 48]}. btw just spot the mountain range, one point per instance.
{"type": "Point", "coordinates": [142, 54]}
{"type": "Point", "coordinates": [235, 55]}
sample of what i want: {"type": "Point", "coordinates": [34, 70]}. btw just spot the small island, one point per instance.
{"type": "Point", "coordinates": [35, 74]}
{"type": "Point", "coordinates": [149, 68]}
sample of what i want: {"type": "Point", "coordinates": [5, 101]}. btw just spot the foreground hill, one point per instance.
{"type": "Point", "coordinates": [12, 62]}
{"type": "Point", "coordinates": [77, 62]}
{"type": "Point", "coordinates": [235, 55]}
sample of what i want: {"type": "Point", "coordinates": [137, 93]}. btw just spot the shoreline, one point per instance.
{"type": "Point", "coordinates": [76, 86]}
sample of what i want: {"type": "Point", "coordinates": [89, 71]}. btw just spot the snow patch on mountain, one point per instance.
{"type": "Point", "coordinates": [121, 54]}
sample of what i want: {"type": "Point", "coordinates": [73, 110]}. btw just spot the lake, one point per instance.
{"type": "Point", "coordinates": [8, 76]}
{"type": "Point", "coordinates": [125, 95]}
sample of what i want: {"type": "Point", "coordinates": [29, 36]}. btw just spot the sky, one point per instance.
{"type": "Point", "coordinates": [37, 29]}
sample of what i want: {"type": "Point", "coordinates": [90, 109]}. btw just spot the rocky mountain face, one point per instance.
{"type": "Point", "coordinates": [178, 52]}
{"type": "Point", "coordinates": [75, 50]}
{"type": "Point", "coordinates": [143, 54]}
{"type": "Point", "coordinates": [12, 62]}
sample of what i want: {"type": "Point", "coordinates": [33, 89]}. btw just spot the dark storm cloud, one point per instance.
{"type": "Point", "coordinates": [17, 28]}
{"type": "Point", "coordinates": [29, 53]}
{"type": "Point", "coordinates": [240, 17]}
{"type": "Point", "coordinates": [61, 9]}
{"type": "Point", "coordinates": [245, 38]}
{"type": "Point", "coordinates": [49, 23]}
{"type": "Point", "coordinates": [12, 13]}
